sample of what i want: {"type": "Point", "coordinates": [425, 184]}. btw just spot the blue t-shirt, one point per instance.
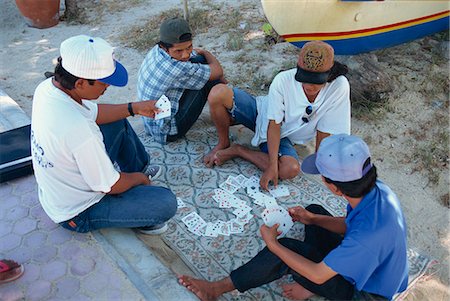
{"type": "Point", "coordinates": [372, 255]}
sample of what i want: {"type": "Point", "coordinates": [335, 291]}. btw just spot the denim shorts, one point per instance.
{"type": "Point", "coordinates": [244, 112]}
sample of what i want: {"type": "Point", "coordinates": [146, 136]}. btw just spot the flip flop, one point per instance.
{"type": "Point", "coordinates": [10, 270]}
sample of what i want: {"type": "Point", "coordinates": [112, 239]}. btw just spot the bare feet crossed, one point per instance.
{"type": "Point", "coordinates": [208, 159]}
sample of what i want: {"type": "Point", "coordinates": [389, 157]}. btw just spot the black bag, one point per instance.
{"type": "Point", "coordinates": [15, 153]}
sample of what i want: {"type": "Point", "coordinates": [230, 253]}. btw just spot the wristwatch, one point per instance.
{"type": "Point", "coordinates": [130, 109]}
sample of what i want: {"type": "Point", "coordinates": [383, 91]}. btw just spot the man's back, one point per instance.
{"type": "Point", "coordinates": [67, 150]}
{"type": "Point", "coordinates": [373, 252]}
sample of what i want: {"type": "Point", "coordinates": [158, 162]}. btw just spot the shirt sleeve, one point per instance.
{"type": "Point", "coordinates": [276, 106]}
{"type": "Point", "coordinates": [191, 76]}
{"type": "Point", "coordinates": [337, 118]}
{"type": "Point", "coordinates": [95, 166]}
{"type": "Point", "coordinates": [353, 261]}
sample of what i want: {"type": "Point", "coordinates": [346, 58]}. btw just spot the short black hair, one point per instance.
{"type": "Point", "coordinates": [357, 188]}
{"type": "Point", "coordinates": [66, 79]}
{"type": "Point", "coordinates": [338, 69]}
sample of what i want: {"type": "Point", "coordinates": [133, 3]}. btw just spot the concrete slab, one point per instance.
{"type": "Point", "coordinates": [11, 115]}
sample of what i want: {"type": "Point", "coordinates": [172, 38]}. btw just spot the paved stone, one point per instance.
{"type": "Point", "coordinates": [59, 264]}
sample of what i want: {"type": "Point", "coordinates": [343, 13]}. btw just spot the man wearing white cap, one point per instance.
{"type": "Point", "coordinates": [77, 143]}
{"type": "Point", "coordinates": [341, 257]}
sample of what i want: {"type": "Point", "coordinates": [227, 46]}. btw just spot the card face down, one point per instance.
{"type": "Point", "coordinates": [280, 216]}
{"type": "Point", "coordinates": [163, 104]}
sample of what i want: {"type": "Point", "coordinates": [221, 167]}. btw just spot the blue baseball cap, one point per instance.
{"type": "Point", "coordinates": [340, 158]}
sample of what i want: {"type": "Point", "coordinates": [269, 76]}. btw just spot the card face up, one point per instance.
{"type": "Point", "coordinates": [280, 216]}
{"type": "Point", "coordinates": [163, 104]}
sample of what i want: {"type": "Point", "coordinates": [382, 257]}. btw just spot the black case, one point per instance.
{"type": "Point", "coordinates": [15, 153]}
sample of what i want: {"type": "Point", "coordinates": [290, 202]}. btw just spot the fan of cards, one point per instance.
{"type": "Point", "coordinates": [224, 197]}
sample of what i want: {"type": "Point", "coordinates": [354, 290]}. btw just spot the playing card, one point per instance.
{"type": "Point", "coordinates": [163, 104]}
{"type": "Point", "coordinates": [244, 220]}
{"type": "Point", "coordinates": [242, 180]}
{"type": "Point", "coordinates": [224, 204]}
{"type": "Point", "coordinates": [280, 216]}
{"type": "Point", "coordinates": [242, 212]}
{"type": "Point", "coordinates": [232, 180]}
{"type": "Point", "coordinates": [235, 227]}
{"type": "Point", "coordinates": [230, 188]}
{"type": "Point", "coordinates": [279, 191]}
{"type": "Point", "coordinates": [198, 229]}
{"type": "Point", "coordinates": [191, 219]}
{"type": "Point", "coordinates": [211, 230]}
{"type": "Point", "coordinates": [252, 181]}
{"type": "Point", "coordinates": [180, 203]}
{"type": "Point", "coordinates": [224, 228]}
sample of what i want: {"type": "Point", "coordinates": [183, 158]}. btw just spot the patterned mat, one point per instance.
{"type": "Point", "coordinates": [212, 258]}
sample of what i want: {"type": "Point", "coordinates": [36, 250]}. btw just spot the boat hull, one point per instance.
{"type": "Point", "coordinates": [356, 27]}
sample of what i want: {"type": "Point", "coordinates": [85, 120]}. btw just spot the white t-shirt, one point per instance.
{"type": "Point", "coordinates": [70, 162]}
{"type": "Point", "coordinates": [286, 104]}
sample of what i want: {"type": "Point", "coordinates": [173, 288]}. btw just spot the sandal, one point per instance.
{"type": "Point", "coordinates": [10, 270]}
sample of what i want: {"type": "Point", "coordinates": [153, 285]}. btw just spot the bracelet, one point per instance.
{"type": "Point", "coordinates": [130, 109]}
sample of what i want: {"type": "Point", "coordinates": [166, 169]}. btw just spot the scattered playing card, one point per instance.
{"type": "Point", "coordinates": [211, 230]}
{"type": "Point", "coordinates": [280, 216]}
{"type": "Point", "coordinates": [230, 188]}
{"type": "Point", "coordinates": [180, 203]}
{"type": "Point", "coordinates": [235, 227]}
{"type": "Point", "coordinates": [232, 180]}
{"type": "Point", "coordinates": [242, 212]}
{"type": "Point", "coordinates": [279, 191]}
{"type": "Point", "coordinates": [191, 219]}
{"type": "Point", "coordinates": [163, 104]}
{"type": "Point", "coordinates": [242, 180]}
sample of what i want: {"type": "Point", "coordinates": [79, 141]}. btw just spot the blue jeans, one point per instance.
{"type": "Point", "coordinates": [266, 267]}
{"type": "Point", "coordinates": [140, 206]}
{"type": "Point", "coordinates": [191, 104]}
{"type": "Point", "coordinates": [244, 112]}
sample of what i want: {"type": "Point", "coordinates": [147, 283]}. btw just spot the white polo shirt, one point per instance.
{"type": "Point", "coordinates": [287, 102]}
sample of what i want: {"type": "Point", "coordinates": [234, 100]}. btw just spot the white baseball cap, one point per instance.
{"type": "Point", "coordinates": [92, 58]}
{"type": "Point", "coordinates": [339, 158]}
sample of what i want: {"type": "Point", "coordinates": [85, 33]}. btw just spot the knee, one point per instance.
{"type": "Point", "coordinates": [316, 209]}
{"type": "Point", "coordinates": [289, 171]}
{"type": "Point", "coordinates": [217, 94]}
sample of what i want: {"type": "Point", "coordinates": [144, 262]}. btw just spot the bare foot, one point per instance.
{"type": "Point", "coordinates": [208, 159]}
{"type": "Point", "coordinates": [295, 291]}
{"type": "Point", "coordinates": [224, 155]}
{"type": "Point", "coordinates": [201, 288]}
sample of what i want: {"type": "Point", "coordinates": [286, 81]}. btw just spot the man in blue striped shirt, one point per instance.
{"type": "Point", "coordinates": [184, 75]}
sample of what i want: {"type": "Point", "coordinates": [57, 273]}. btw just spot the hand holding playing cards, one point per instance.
{"type": "Point", "coordinates": [300, 214]}
{"type": "Point", "coordinates": [269, 234]}
{"type": "Point", "coordinates": [145, 108]}
{"type": "Point", "coordinates": [270, 174]}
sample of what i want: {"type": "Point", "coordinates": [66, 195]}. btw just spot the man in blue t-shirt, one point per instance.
{"type": "Point", "coordinates": [340, 256]}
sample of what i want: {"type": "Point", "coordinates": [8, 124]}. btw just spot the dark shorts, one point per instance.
{"type": "Point", "coordinates": [244, 112]}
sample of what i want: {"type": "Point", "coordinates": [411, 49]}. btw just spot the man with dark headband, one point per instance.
{"type": "Point", "coordinates": [341, 258]}
{"type": "Point", "coordinates": [310, 101]}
